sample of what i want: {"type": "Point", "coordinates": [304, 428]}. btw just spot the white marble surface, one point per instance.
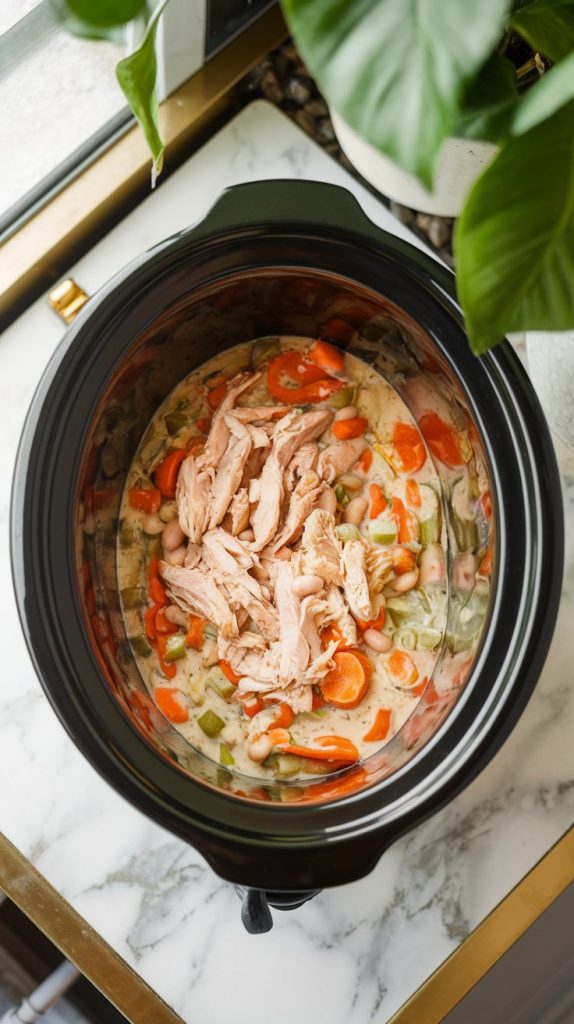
{"type": "Point", "coordinates": [352, 955]}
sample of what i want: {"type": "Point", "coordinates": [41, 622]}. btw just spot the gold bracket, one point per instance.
{"type": "Point", "coordinates": [67, 299]}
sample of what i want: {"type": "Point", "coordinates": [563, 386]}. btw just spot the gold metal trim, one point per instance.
{"type": "Point", "coordinates": [42, 250]}
{"type": "Point", "coordinates": [78, 941]}
{"type": "Point", "coordinates": [492, 938]}
{"type": "Point", "coordinates": [67, 299]}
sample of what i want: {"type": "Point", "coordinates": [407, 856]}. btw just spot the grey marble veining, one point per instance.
{"type": "Point", "coordinates": [355, 954]}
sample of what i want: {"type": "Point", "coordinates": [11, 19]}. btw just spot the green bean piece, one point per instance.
{"type": "Point", "coordinates": [210, 723]}
{"type": "Point", "coordinates": [175, 647]}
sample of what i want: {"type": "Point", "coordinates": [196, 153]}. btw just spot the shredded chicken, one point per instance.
{"type": "Point", "coordinates": [195, 592]}
{"type": "Point", "coordinates": [239, 511]}
{"type": "Point", "coordinates": [339, 458]}
{"type": "Point", "coordinates": [321, 548]}
{"type": "Point", "coordinates": [301, 503]}
{"type": "Point", "coordinates": [192, 498]}
{"type": "Point", "coordinates": [379, 567]}
{"type": "Point", "coordinates": [355, 582]}
{"type": "Point", "coordinates": [219, 433]}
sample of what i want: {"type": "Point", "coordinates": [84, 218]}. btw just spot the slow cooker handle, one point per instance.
{"type": "Point", "coordinates": [256, 203]}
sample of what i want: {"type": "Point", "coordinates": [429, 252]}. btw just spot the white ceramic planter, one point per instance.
{"type": "Point", "coordinates": [459, 166]}
{"type": "Point", "coordinates": [551, 369]}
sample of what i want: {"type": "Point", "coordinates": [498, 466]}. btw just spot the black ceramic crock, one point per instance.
{"type": "Point", "coordinates": [275, 257]}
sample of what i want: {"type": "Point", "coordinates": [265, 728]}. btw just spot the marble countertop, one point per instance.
{"type": "Point", "coordinates": [354, 954]}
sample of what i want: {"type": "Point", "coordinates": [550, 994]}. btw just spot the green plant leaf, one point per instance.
{"type": "Point", "coordinates": [395, 69]}
{"type": "Point", "coordinates": [554, 90]}
{"type": "Point", "coordinates": [105, 13]}
{"type": "Point", "coordinates": [489, 102]}
{"type": "Point", "coordinates": [137, 77]}
{"type": "Point", "coordinates": [514, 242]}
{"type": "Point", "coordinates": [546, 25]}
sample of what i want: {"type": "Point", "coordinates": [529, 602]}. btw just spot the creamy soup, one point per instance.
{"type": "Point", "coordinates": [281, 559]}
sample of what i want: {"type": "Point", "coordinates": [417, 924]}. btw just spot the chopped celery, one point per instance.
{"type": "Point", "coordinates": [466, 533]}
{"type": "Point", "coordinates": [175, 420]}
{"type": "Point", "coordinates": [401, 610]}
{"type": "Point", "coordinates": [407, 639]}
{"type": "Point", "coordinates": [210, 723]}
{"type": "Point", "coordinates": [133, 597]}
{"type": "Point", "coordinates": [264, 349]}
{"type": "Point", "coordinates": [463, 516]}
{"type": "Point", "coordinates": [346, 532]}
{"type": "Point", "coordinates": [175, 647]}
{"type": "Point", "coordinates": [225, 755]}
{"type": "Point", "coordinates": [287, 765]}
{"type": "Point", "coordinates": [429, 531]}
{"type": "Point", "coordinates": [218, 681]}
{"type": "Point", "coordinates": [342, 398]}
{"type": "Point", "coordinates": [383, 531]}
{"type": "Point", "coordinates": [140, 646]}
{"type": "Point", "coordinates": [341, 495]}
{"type": "Point", "coordinates": [429, 639]}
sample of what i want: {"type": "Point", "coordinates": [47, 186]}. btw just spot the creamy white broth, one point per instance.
{"type": "Point", "coordinates": [175, 426]}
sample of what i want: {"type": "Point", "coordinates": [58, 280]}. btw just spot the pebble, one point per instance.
{"type": "Point", "coordinates": [270, 88]}
{"type": "Point", "coordinates": [437, 229]}
{"type": "Point", "coordinates": [297, 90]}
{"type": "Point", "coordinates": [403, 213]}
{"type": "Point", "coordinates": [317, 108]}
{"type": "Point", "coordinates": [305, 122]}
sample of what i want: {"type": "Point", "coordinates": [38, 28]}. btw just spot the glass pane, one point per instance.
{"type": "Point", "coordinates": [56, 92]}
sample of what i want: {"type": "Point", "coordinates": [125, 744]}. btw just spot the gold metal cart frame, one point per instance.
{"type": "Point", "coordinates": [36, 256]}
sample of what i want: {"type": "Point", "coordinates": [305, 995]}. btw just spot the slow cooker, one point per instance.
{"type": "Point", "coordinates": [271, 258]}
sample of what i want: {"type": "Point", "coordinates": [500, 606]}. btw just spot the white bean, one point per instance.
{"type": "Point", "coordinates": [407, 581]}
{"type": "Point", "coordinates": [260, 747]}
{"type": "Point", "coordinates": [176, 557]}
{"type": "Point", "coordinates": [168, 511]}
{"type": "Point", "coordinates": [355, 510]}
{"type": "Point", "coordinates": [348, 413]}
{"type": "Point", "coordinates": [177, 615]}
{"type": "Point", "coordinates": [378, 641]}
{"type": "Point", "coordinates": [303, 586]}
{"type": "Point", "coordinates": [152, 524]}
{"type": "Point", "coordinates": [172, 536]}
{"type": "Point", "coordinates": [328, 501]}
{"type": "Point", "coordinates": [247, 535]}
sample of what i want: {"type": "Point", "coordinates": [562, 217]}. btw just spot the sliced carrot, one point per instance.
{"type": "Point", "coordinates": [377, 623]}
{"type": "Point", "coordinates": [413, 494]}
{"type": "Point", "coordinates": [318, 700]}
{"type": "Point", "coordinates": [380, 726]}
{"type": "Point", "coordinates": [145, 499]}
{"type": "Point", "coordinates": [253, 706]}
{"type": "Point", "coordinates": [95, 499]}
{"type": "Point", "coordinates": [284, 717]}
{"type": "Point", "coordinates": [149, 622]}
{"type": "Point", "coordinates": [331, 633]}
{"type": "Point", "coordinates": [366, 662]}
{"type": "Point", "coordinates": [337, 329]}
{"type": "Point", "coordinates": [308, 380]}
{"type": "Point", "coordinates": [403, 561]}
{"type": "Point", "coordinates": [442, 439]}
{"type": "Point", "coordinates": [203, 425]}
{"type": "Point", "coordinates": [216, 395]}
{"type": "Point", "coordinates": [486, 504]}
{"type": "Point", "coordinates": [417, 690]}
{"type": "Point", "coordinates": [408, 448]}
{"type": "Point", "coordinates": [485, 567]}
{"type": "Point", "coordinates": [162, 625]}
{"type": "Point", "coordinates": [327, 357]}
{"type": "Point", "coordinates": [166, 473]}
{"type": "Point", "coordinates": [334, 788]}
{"type": "Point", "coordinates": [168, 669]}
{"type": "Point", "coordinates": [346, 684]}
{"type": "Point", "coordinates": [194, 635]}
{"type": "Point", "coordinates": [346, 430]}
{"type": "Point", "coordinates": [402, 669]}
{"type": "Point", "coordinates": [170, 703]}
{"type": "Point", "coordinates": [366, 460]}
{"type": "Point", "coordinates": [378, 501]}
{"type": "Point", "coordinates": [329, 748]}
{"type": "Point", "coordinates": [407, 522]}
{"type": "Point", "coordinates": [228, 671]}
{"type": "Point", "coordinates": [157, 592]}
